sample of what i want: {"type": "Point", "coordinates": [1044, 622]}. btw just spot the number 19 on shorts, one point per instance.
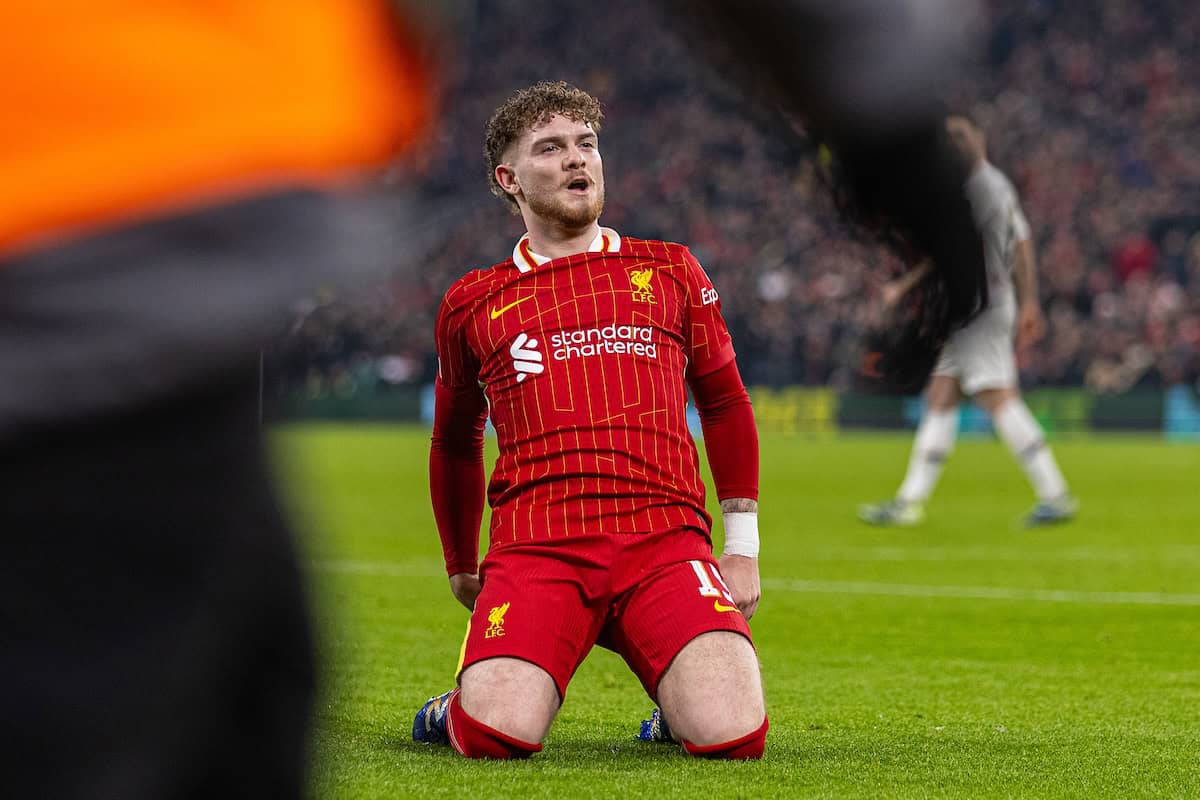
{"type": "Point", "coordinates": [713, 585]}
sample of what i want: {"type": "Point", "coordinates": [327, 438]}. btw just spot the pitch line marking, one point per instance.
{"type": "Point", "coordinates": [430, 569]}
{"type": "Point", "coordinates": [391, 569]}
{"type": "Point", "coordinates": [1173, 554]}
{"type": "Point", "coordinates": [983, 592]}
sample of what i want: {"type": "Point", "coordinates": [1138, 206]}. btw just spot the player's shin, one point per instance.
{"type": "Point", "coordinates": [1020, 431]}
{"type": "Point", "coordinates": [931, 447]}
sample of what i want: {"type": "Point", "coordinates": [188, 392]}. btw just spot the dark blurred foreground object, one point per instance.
{"type": "Point", "coordinates": [175, 175]}
{"type": "Point", "coordinates": [865, 77]}
{"type": "Point", "coordinates": [156, 640]}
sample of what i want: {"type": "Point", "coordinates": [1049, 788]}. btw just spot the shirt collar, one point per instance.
{"type": "Point", "coordinates": [607, 241]}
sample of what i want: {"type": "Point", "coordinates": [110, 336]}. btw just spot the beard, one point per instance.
{"type": "Point", "coordinates": [551, 207]}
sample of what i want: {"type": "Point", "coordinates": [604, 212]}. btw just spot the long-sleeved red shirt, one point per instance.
{"type": "Point", "coordinates": [583, 364]}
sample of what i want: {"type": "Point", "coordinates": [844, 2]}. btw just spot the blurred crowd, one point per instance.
{"type": "Point", "coordinates": [1090, 108]}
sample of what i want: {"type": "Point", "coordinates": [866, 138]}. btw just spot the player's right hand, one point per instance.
{"type": "Point", "coordinates": [741, 576]}
{"type": "Point", "coordinates": [1031, 325]}
{"type": "Point", "coordinates": [465, 586]}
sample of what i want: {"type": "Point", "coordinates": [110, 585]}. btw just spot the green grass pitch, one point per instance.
{"type": "Point", "coordinates": [964, 658]}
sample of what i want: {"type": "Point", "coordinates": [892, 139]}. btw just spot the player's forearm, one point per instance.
{"type": "Point", "coordinates": [1025, 273]}
{"type": "Point", "coordinates": [456, 488]}
{"type": "Point", "coordinates": [730, 434]}
{"type": "Point", "coordinates": [906, 282]}
{"type": "Point", "coordinates": [456, 475]}
{"type": "Point", "coordinates": [731, 440]}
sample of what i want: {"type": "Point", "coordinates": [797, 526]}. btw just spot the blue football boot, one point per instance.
{"type": "Point", "coordinates": [1052, 512]}
{"type": "Point", "coordinates": [655, 729]}
{"type": "Point", "coordinates": [429, 726]}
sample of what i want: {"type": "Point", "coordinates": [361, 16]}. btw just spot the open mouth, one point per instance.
{"type": "Point", "coordinates": [579, 184]}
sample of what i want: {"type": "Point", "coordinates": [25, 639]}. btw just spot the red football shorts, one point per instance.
{"type": "Point", "coordinates": [642, 596]}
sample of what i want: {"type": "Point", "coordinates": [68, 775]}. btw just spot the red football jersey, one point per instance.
{"type": "Point", "coordinates": [583, 361]}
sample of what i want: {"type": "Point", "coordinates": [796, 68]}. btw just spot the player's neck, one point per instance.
{"type": "Point", "coordinates": [553, 241]}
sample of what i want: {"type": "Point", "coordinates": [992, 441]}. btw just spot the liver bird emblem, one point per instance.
{"type": "Point", "coordinates": [496, 615]}
{"type": "Point", "coordinates": [640, 278]}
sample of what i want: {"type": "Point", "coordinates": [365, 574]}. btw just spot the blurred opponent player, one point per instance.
{"type": "Point", "coordinates": [865, 78]}
{"type": "Point", "coordinates": [978, 360]}
{"type": "Point", "coordinates": [171, 181]}
{"type": "Point", "coordinates": [581, 347]}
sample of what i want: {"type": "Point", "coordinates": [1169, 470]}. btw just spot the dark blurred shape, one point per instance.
{"type": "Point", "coordinates": [864, 76]}
{"type": "Point", "coordinates": [909, 193]}
{"type": "Point", "coordinates": [154, 646]}
{"type": "Point", "coordinates": [176, 175]}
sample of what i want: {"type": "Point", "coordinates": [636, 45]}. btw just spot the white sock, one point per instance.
{"type": "Point", "coordinates": [1021, 432]}
{"type": "Point", "coordinates": [931, 448]}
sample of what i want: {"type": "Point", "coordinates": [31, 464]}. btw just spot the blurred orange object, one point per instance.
{"type": "Point", "coordinates": [118, 109]}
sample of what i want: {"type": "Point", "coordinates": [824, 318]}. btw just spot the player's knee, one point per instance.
{"type": "Point", "coordinates": [712, 727]}
{"type": "Point", "coordinates": [475, 739]}
{"type": "Point", "coordinates": [712, 693]}
{"type": "Point", "coordinates": [523, 721]}
{"type": "Point", "coordinates": [747, 746]}
{"type": "Point", "coordinates": [513, 697]}
{"type": "Point", "coordinates": [722, 723]}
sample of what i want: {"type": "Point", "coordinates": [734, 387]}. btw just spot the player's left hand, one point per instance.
{"type": "Point", "coordinates": [741, 575]}
{"type": "Point", "coordinates": [466, 587]}
{"type": "Point", "coordinates": [1031, 325]}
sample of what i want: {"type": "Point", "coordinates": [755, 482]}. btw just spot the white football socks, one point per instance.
{"type": "Point", "coordinates": [931, 448]}
{"type": "Point", "coordinates": [1021, 432]}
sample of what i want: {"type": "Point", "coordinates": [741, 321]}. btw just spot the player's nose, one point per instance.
{"type": "Point", "coordinates": [574, 158]}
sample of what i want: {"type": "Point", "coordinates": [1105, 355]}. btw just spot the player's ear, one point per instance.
{"type": "Point", "coordinates": [507, 178]}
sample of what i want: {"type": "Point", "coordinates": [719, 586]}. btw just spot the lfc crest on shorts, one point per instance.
{"type": "Point", "coordinates": [640, 280]}
{"type": "Point", "coordinates": [496, 622]}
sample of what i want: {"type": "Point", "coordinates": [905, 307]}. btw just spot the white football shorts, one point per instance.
{"type": "Point", "coordinates": [981, 355]}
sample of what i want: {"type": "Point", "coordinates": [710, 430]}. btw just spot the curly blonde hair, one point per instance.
{"type": "Point", "coordinates": [526, 108]}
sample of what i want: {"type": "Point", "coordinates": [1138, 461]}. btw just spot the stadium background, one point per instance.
{"type": "Point", "coordinates": [1088, 108]}
{"type": "Point", "coordinates": [963, 658]}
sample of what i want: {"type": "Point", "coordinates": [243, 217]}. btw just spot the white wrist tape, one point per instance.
{"type": "Point", "coordinates": [741, 533]}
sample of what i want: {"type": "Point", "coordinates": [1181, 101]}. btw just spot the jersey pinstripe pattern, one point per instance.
{"type": "Point", "coordinates": [596, 441]}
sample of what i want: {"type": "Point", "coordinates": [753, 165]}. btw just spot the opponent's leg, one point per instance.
{"type": "Point", "coordinates": [1018, 429]}
{"type": "Point", "coordinates": [931, 447]}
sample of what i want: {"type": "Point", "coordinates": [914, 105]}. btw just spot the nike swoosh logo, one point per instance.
{"type": "Point", "coordinates": [496, 312]}
{"type": "Point", "coordinates": [719, 606]}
